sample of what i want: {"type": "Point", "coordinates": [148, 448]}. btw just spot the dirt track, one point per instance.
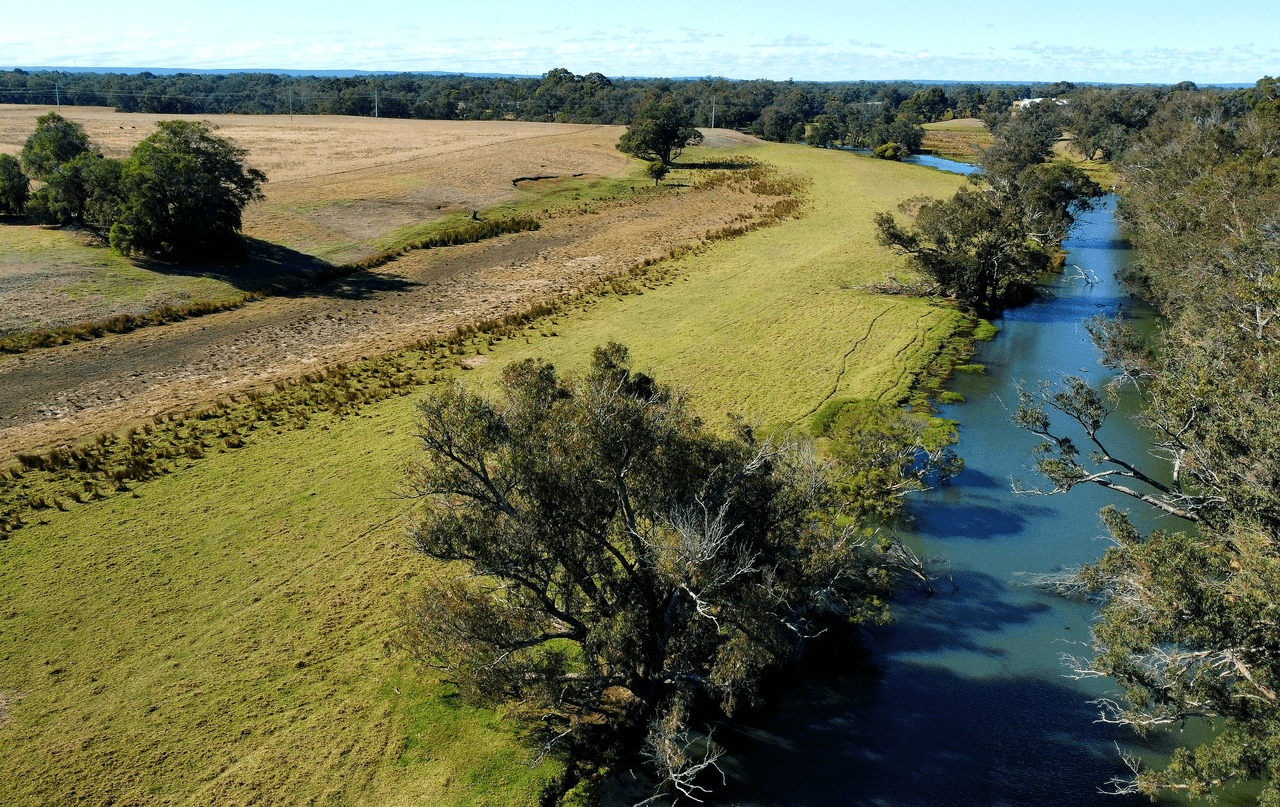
{"type": "Point", "coordinates": [54, 396]}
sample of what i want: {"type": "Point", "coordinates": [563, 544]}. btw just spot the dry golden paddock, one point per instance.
{"type": "Point", "coordinates": [336, 187]}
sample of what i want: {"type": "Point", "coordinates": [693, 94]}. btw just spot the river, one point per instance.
{"type": "Point", "coordinates": [965, 701]}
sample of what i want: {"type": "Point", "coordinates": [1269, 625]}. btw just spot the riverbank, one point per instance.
{"type": "Point", "coordinates": [223, 631]}
{"type": "Point", "coordinates": [966, 688]}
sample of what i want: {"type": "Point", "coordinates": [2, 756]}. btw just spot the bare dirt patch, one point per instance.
{"type": "Point", "coordinates": [344, 182]}
{"type": "Point", "coordinates": [57, 395]}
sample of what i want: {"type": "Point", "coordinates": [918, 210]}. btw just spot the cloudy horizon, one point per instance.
{"type": "Point", "coordinates": [1142, 42]}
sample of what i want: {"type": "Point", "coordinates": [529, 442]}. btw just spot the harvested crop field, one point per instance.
{"type": "Point", "coordinates": [960, 139]}
{"type": "Point", "coordinates": [370, 178]}
{"type": "Point", "coordinates": [336, 184]}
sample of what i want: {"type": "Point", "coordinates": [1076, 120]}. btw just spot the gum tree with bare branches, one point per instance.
{"type": "Point", "coordinates": [608, 551]}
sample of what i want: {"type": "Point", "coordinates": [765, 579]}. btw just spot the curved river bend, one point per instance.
{"type": "Point", "coordinates": [969, 705]}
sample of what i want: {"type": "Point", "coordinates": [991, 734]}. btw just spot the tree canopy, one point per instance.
{"type": "Point", "coordinates": [987, 244]}
{"type": "Point", "coordinates": [660, 130]}
{"type": "Point", "coordinates": [184, 190]}
{"type": "Point", "coordinates": [616, 551]}
{"type": "Point", "coordinates": [55, 141]}
{"type": "Point", "coordinates": [15, 187]}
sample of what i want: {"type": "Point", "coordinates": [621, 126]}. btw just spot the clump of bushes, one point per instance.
{"type": "Point", "coordinates": [890, 151]}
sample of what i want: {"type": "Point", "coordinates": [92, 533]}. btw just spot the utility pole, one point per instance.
{"type": "Point", "coordinates": [290, 103]}
{"type": "Point", "coordinates": [713, 112]}
{"type": "Point", "coordinates": [375, 102]}
{"type": "Point", "coordinates": [57, 96]}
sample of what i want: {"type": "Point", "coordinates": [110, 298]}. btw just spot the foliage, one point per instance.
{"type": "Point", "coordinates": [1189, 629]}
{"type": "Point", "coordinates": [185, 190]}
{"type": "Point", "coordinates": [974, 248]}
{"type": "Point", "coordinates": [824, 131]}
{"type": "Point", "coordinates": [986, 247]}
{"type": "Point", "coordinates": [903, 128]}
{"type": "Point", "coordinates": [890, 151]}
{"type": "Point", "coordinates": [1021, 140]}
{"type": "Point", "coordinates": [15, 187]}
{"type": "Point", "coordinates": [886, 453]}
{"type": "Point", "coordinates": [656, 170]}
{"type": "Point", "coordinates": [87, 189]}
{"type": "Point", "coordinates": [613, 544]}
{"type": "Point", "coordinates": [660, 130]}
{"type": "Point", "coordinates": [55, 141]}
{"type": "Point", "coordinates": [1103, 121]}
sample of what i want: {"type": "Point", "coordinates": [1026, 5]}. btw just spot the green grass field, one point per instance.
{"type": "Point", "coordinates": [773, 324]}
{"type": "Point", "coordinates": [221, 634]}
{"type": "Point", "coordinates": [222, 638]}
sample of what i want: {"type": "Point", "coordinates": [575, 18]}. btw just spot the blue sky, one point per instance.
{"type": "Point", "coordinates": [1117, 41]}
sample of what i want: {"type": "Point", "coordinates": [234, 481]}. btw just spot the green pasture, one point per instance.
{"type": "Point", "coordinates": [221, 634]}
{"type": "Point", "coordinates": [774, 323]}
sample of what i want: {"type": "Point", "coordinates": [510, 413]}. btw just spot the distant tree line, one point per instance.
{"type": "Point", "coordinates": [867, 113]}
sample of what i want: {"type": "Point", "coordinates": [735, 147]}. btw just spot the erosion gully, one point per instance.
{"type": "Point", "coordinates": [964, 699]}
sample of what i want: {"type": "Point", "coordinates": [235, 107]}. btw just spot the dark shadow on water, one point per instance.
{"type": "Point", "coordinates": [1086, 242]}
{"type": "Point", "coordinates": [912, 733]}
{"type": "Point", "coordinates": [936, 519]}
{"type": "Point", "coordinates": [973, 479]}
{"type": "Point", "coordinates": [923, 736]}
{"type": "Point", "coordinates": [964, 605]}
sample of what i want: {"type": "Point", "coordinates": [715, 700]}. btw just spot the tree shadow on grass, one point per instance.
{"type": "Point", "coordinates": [713, 165]}
{"type": "Point", "coordinates": [277, 270]}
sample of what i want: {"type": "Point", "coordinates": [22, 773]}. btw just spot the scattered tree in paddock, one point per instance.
{"type": "Point", "coordinates": [661, 130]}
{"type": "Point", "coordinates": [15, 186]}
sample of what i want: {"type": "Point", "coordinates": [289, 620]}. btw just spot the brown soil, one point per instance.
{"type": "Point", "coordinates": [337, 183]}
{"type": "Point", "coordinates": [54, 396]}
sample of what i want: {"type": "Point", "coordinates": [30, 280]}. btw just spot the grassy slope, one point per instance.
{"type": "Point", "coordinates": [772, 324]}
{"type": "Point", "coordinates": [221, 638]}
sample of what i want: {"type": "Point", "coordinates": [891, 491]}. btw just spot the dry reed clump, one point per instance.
{"type": "Point", "coordinates": [21, 343]}
{"type": "Point", "coordinates": [105, 465]}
